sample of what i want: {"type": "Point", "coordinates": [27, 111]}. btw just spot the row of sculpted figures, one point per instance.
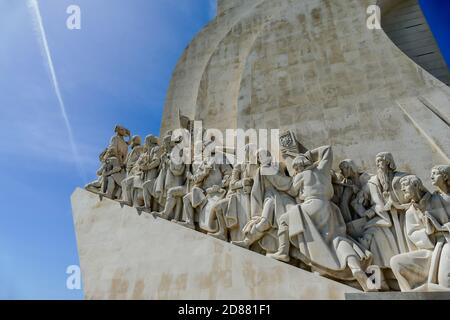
{"type": "Point", "coordinates": [380, 232]}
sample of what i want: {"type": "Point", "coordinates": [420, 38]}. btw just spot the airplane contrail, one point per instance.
{"type": "Point", "coordinates": [35, 12]}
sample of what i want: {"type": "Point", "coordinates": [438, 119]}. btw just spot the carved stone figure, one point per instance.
{"type": "Point", "coordinates": [119, 144]}
{"type": "Point", "coordinates": [269, 200]}
{"type": "Point", "coordinates": [297, 209]}
{"type": "Point", "coordinates": [315, 226]}
{"type": "Point", "coordinates": [113, 175]}
{"type": "Point", "coordinates": [174, 180]}
{"type": "Point", "coordinates": [132, 186]}
{"type": "Point", "coordinates": [352, 182]}
{"type": "Point", "coordinates": [440, 200]}
{"type": "Point", "coordinates": [210, 179]}
{"type": "Point", "coordinates": [233, 212]}
{"type": "Point", "coordinates": [134, 154]}
{"type": "Point", "coordinates": [150, 171]}
{"type": "Point", "coordinates": [383, 233]}
{"type": "Point", "coordinates": [157, 191]}
{"type": "Point", "coordinates": [352, 196]}
{"type": "Point", "coordinates": [427, 266]}
{"type": "Point", "coordinates": [96, 186]}
{"type": "Point", "coordinates": [130, 166]}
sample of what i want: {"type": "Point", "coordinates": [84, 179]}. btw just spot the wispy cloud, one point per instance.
{"type": "Point", "coordinates": [42, 37]}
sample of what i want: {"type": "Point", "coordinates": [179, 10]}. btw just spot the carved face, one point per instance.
{"type": "Point", "coordinates": [382, 163]}
{"type": "Point", "coordinates": [412, 188]}
{"type": "Point", "coordinates": [408, 190]}
{"type": "Point", "coordinates": [345, 170]}
{"type": "Point", "coordinates": [121, 131]}
{"type": "Point", "coordinates": [436, 177]}
{"type": "Point", "coordinates": [136, 141]}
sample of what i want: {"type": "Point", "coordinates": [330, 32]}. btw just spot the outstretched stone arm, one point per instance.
{"type": "Point", "coordinates": [323, 157]}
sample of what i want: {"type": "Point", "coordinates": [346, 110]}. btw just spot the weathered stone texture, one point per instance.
{"type": "Point", "coordinates": [126, 256]}
{"type": "Point", "coordinates": [314, 67]}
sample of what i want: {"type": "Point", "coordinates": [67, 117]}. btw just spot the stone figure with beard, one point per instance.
{"type": "Point", "coordinates": [426, 267]}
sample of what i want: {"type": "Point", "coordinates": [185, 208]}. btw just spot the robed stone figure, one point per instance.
{"type": "Point", "coordinates": [315, 227]}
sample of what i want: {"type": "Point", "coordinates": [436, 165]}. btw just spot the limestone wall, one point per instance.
{"type": "Point", "coordinates": [126, 256]}
{"type": "Point", "coordinates": [314, 67]}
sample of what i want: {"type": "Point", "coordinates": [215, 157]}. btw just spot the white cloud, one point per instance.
{"type": "Point", "coordinates": [34, 9]}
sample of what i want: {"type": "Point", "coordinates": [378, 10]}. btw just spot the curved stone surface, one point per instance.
{"type": "Point", "coordinates": [313, 67]}
{"type": "Point", "coordinates": [407, 27]}
{"type": "Point", "coordinates": [126, 256]}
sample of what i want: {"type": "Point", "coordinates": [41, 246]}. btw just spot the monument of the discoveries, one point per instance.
{"type": "Point", "coordinates": [353, 198]}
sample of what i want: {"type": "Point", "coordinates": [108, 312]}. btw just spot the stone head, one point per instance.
{"type": "Point", "coordinates": [122, 131]}
{"type": "Point", "coordinates": [151, 141]}
{"type": "Point", "coordinates": [440, 177]}
{"type": "Point", "coordinates": [412, 188]}
{"type": "Point", "coordinates": [348, 168]}
{"type": "Point", "coordinates": [385, 161]}
{"type": "Point", "coordinates": [264, 157]}
{"type": "Point", "coordinates": [136, 141]}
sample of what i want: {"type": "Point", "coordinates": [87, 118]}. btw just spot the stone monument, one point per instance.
{"type": "Point", "coordinates": [355, 197]}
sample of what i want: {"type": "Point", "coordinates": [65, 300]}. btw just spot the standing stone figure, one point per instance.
{"type": "Point", "coordinates": [269, 199]}
{"type": "Point", "coordinates": [113, 175]}
{"type": "Point", "coordinates": [132, 194]}
{"type": "Point", "coordinates": [316, 227]}
{"type": "Point", "coordinates": [119, 144]}
{"type": "Point", "coordinates": [233, 212]}
{"type": "Point", "coordinates": [134, 154]}
{"type": "Point", "coordinates": [158, 191]}
{"type": "Point", "coordinates": [427, 266]}
{"type": "Point", "coordinates": [130, 166]}
{"type": "Point", "coordinates": [149, 174]}
{"type": "Point", "coordinates": [174, 184]}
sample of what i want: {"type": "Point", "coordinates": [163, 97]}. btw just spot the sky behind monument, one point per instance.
{"type": "Point", "coordinates": [116, 69]}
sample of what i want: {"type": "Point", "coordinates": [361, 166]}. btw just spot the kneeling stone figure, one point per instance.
{"type": "Point", "coordinates": [316, 228]}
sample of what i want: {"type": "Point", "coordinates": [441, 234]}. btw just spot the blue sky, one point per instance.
{"type": "Point", "coordinates": [437, 13]}
{"type": "Point", "coordinates": [116, 69]}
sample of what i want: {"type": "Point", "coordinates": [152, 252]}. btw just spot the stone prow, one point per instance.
{"type": "Point", "coordinates": [127, 256]}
